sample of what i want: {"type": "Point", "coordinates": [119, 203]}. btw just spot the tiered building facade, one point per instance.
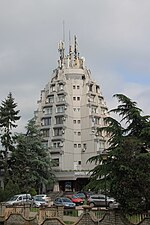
{"type": "Point", "coordinates": [70, 109]}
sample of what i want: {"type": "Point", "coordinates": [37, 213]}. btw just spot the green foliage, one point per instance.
{"type": "Point", "coordinates": [2, 195]}
{"type": "Point", "coordinates": [31, 160]}
{"type": "Point", "coordinates": [23, 158]}
{"type": "Point", "coordinates": [10, 190]}
{"type": "Point", "coordinates": [127, 167]}
{"type": "Point", "coordinates": [8, 118]}
{"type": "Point", "coordinates": [32, 191]}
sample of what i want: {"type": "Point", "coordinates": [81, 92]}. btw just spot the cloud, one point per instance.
{"type": "Point", "coordinates": [113, 37]}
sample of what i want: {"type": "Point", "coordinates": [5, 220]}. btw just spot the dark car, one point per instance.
{"type": "Point", "coordinates": [63, 201]}
{"type": "Point", "coordinates": [100, 200]}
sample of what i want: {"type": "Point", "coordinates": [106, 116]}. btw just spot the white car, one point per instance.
{"type": "Point", "coordinates": [42, 196]}
{"type": "Point", "coordinates": [39, 202]}
{"type": "Point", "coordinates": [20, 199]}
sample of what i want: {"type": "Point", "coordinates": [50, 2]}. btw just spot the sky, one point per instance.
{"type": "Point", "coordinates": [113, 36]}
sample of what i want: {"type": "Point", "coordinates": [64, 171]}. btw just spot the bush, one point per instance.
{"type": "Point", "coordinates": [10, 190]}
{"type": "Point", "coordinates": [32, 191]}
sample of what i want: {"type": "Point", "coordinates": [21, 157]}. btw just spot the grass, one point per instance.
{"type": "Point", "coordinates": [68, 222]}
{"type": "Point", "coordinates": [135, 219]}
{"type": "Point", "coordinates": [34, 209]}
{"type": "Point", "coordinates": [71, 212]}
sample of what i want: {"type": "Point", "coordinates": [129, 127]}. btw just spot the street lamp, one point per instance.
{"type": "Point", "coordinates": [104, 157]}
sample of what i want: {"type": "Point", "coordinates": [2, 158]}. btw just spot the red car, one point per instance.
{"type": "Point", "coordinates": [77, 200]}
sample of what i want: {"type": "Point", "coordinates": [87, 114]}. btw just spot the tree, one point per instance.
{"type": "Point", "coordinates": [31, 160]}
{"type": "Point", "coordinates": [127, 166]}
{"type": "Point", "coordinates": [8, 118]}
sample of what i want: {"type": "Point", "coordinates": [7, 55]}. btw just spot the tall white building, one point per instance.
{"type": "Point", "coordinates": [70, 109]}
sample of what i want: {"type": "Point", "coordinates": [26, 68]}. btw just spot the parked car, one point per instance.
{"type": "Point", "coordinates": [84, 194]}
{"type": "Point", "coordinates": [81, 195]}
{"type": "Point", "coordinates": [42, 196]}
{"type": "Point", "coordinates": [77, 200]}
{"type": "Point", "coordinates": [63, 201]}
{"type": "Point", "coordinates": [100, 200]}
{"type": "Point", "coordinates": [19, 200]}
{"type": "Point", "coordinates": [38, 201]}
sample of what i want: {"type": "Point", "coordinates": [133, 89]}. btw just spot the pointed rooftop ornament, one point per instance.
{"type": "Point", "coordinates": [61, 49]}
{"type": "Point", "coordinates": [75, 47]}
{"type": "Point", "coordinates": [70, 46]}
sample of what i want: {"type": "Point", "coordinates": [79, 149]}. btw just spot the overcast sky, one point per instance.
{"type": "Point", "coordinates": [113, 36]}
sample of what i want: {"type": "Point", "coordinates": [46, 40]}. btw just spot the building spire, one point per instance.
{"type": "Point", "coordinates": [72, 59]}
{"type": "Point", "coordinates": [61, 49]}
{"type": "Point", "coordinates": [76, 54]}
{"type": "Point", "coordinates": [63, 31]}
{"type": "Point", "coordinates": [70, 46]}
{"type": "Point", "coordinates": [75, 47]}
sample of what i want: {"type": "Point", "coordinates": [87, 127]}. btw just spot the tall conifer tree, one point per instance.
{"type": "Point", "coordinates": [8, 118]}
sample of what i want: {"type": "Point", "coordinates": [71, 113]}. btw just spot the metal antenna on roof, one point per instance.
{"type": "Point", "coordinates": [75, 49]}
{"type": "Point", "coordinates": [70, 47]}
{"type": "Point", "coordinates": [63, 31]}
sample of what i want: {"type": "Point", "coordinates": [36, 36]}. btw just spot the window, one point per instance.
{"type": "Point", "coordinates": [90, 87]}
{"type": "Point", "coordinates": [74, 109]}
{"type": "Point", "coordinates": [79, 162]}
{"type": "Point", "coordinates": [47, 111]}
{"type": "Point", "coordinates": [61, 98]}
{"type": "Point", "coordinates": [45, 132]}
{"type": "Point", "coordinates": [59, 119]}
{"type": "Point", "coordinates": [74, 121]}
{"type": "Point", "coordinates": [78, 121]}
{"type": "Point", "coordinates": [74, 98]}
{"type": "Point", "coordinates": [46, 121]}
{"type": "Point", "coordinates": [79, 145]}
{"type": "Point", "coordinates": [75, 145]}
{"type": "Point", "coordinates": [78, 98]}
{"type": "Point", "coordinates": [94, 109]}
{"type": "Point", "coordinates": [84, 145]}
{"type": "Point", "coordinates": [78, 109]}
{"type": "Point", "coordinates": [79, 133]}
{"type": "Point", "coordinates": [57, 131]}
{"type": "Point", "coordinates": [51, 99]}
{"type": "Point", "coordinates": [97, 120]}
{"type": "Point", "coordinates": [103, 111]}
{"type": "Point", "coordinates": [57, 144]}
{"type": "Point", "coordinates": [60, 87]}
{"type": "Point", "coordinates": [97, 89]}
{"type": "Point", "coordinates": [60, 109]}
{"type": "Point", "coordinates": [74, 87]}
{"type": "Point", "coordinates": [52, 87]}
{"type": "Point", "coordinates": [100, 100]}
{"type": "Point", "coordinates": [78, 87]}
{"type": "Point", "coordinates": [56, 162]}
{"type": "Point", "coordinates": [92, 97]}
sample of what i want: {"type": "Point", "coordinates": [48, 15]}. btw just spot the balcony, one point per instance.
{"type": "Point", "coordinates": [54, 150]}
{"type": "Point", "coordinates": [58, 138]}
